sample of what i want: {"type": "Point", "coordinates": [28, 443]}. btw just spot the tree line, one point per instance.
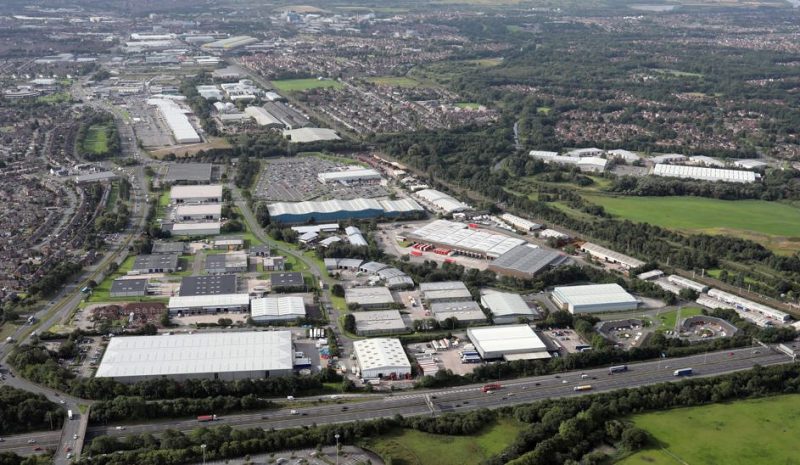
{"type": "Point", "coordinates": [23, 411]}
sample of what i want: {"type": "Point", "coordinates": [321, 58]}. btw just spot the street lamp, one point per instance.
{"type": "Point", "coordinates": [203, 447]}
{"type": "Point", "coordinates": [337, 447]}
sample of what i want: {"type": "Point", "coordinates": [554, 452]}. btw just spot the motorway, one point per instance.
{"type": "Point", "coordinates": [470, 397]}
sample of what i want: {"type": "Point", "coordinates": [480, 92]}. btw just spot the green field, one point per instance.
{"type": "Point", "coordinates": [411, 447]}
{"type": "Point", "coordinates": [774, 224]}
{"type": "Point", "coordinates": [96, 140]}
{"type": "Point", "coordinates": [668, 319]}
{"type": "Point", "coordinates": [752, 432]}
{"type": "Point", "coordinates": [395, 81]}
{"type": "Point", "coordinates": [468, 105]}
{"type": "Point", "coordinates": [299, 85]}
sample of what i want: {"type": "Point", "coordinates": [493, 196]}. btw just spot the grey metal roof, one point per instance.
{"type": "Point", "coordinates": [526, 259]}
{"type": "Point", "coordinates": [208, 285]}
{"type": "Point", "coordinates": [154, 261]}
{"type": "Point", "coordinates": [286, 279]}
{"type": "Point", "coordinates": [128, 285]}
{"type": "Point", "coordinates": [198, 172]}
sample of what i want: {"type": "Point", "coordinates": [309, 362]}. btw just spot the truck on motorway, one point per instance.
{"type": "Point", "coordinates": [683, 372]}
{"type": "Point", "coordinates": [585, 387]}
{"type": "Point", "coordinates": [617, 369]}
{"type": "Point", "coordinates": [70, 415]}
{"type": "Point", "coordinates": [491, 387]}
{"type": "Point", "coordinates": [204, 418]}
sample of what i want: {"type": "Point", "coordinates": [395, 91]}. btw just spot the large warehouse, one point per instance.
{"type": "Point", "coordinates": [450, 236]}
{"type": "Point", "coordinates": [379, 322]}
{"type": "Point", "coordinates": [340, 210]}
{"type": "Point", "coordinates": [440, 201]}
{"type": "Point", "coordinates": [444, 291]}
{"type": "Point", "coordinates": [369, 297]}
{"type": "Point", "coordinates": [704, 174]}
{"type": "Point", "coordinates": [214, 303]}
{"type": "Point", "coordinates": [350, 176]}
{"type": "Point", "coordinates": [175, 117]}
{"type": "Point", "coordinates": [506, 308]}
{"type": "Point", "coordinates": [208, 285]}
{"type": "Point", "coordinates": [513, 342]}
{"type": "Point", "coordinates": [610, 256]}
{"type": "Point", "coordinates": [155, 263]}
{"type": "Point", "coordinates": [594, 298]}
{"type": "Point", "coordinates": [198, 212]}
{"type": "Point", "coordinates": [382, 358]}
{"type": "Point", "coordinates": [262, 117]}
{"type": "Point", "coordinates": [196, 194]}
{"type": "Point", "coordinates": [524, 261]}
{"type": "Point", "coordinates": [224, 356]}
{"type": "Point", "coordinates": [188, 172]}
{"type": "Point", "coordinates": [465, 312]}
{"type": "Point", "coordinates": [274, 309]}
{"type": "Point", "coordinates": [209, 228]}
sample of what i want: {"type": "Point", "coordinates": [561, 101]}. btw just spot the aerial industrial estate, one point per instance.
{"type": "Point", "coordinates": [250, 233]}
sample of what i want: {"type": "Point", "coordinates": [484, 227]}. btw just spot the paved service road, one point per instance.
{"type": "Point", "coordinates": [471, 397]}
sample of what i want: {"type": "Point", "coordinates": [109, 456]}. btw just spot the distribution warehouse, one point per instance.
{"type": "Point", "coordinates": [223, 356]}
{"type": "Point", "coordinates": [704, 174]}
{"type": "Point", "coordinates": [175, 117]}
{"type": "Point", "coordinates": [455, 237]}
{"type": "Point", "coordinates": [382, 358]}
{"type": "Point", "coordinates": [513, 342]}
{"type": "Point", "coordinates": [340, 210]}
{"type": "Point", "coordinates": [196, 194]}
{"type": "Point", "coordinates": [594, 298]}
{"type": "Point", "coordinates": [273, 309]}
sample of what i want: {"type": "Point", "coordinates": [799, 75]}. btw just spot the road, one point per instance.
{"type": "Point", "coordinates": [464, 398]}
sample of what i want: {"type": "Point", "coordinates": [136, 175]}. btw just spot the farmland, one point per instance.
{"type": "Point", "coordinates": [776, 225]}
{"type": "Point", "coordinates": [299, 85]}
{"type": "Point", "coordinates": [417, 448]}
{"type": "Point", "coordinates": [752, 432]}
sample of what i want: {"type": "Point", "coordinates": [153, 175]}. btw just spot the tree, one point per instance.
{"type": "Point", "coordinates": [634, 438]}
{"type": "Point", "coordinates": [350, 323]}
{"type": "Point", "coordinates": [337, 290]}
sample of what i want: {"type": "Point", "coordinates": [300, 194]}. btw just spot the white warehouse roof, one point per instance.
{"type": "Point", "coordinates": [202, 353]}
{"type": "Point", "coordinates": [332, 206]}
{"type": "Point", "coordinates": [504, 304]}
{"type": "Point", "coordinates": [579, 298]}
{"type": "Point", "coordinates": [262, 117]}
{"type": "Point", "coordinates": [458, 236]}
{"type": "Point", "coordinates": [303, 135]}
{"type": "Point", "coordinates": [199, 209]}
{"type": "Point", "coordinates": [278, 308]}
{"type": "Point", "coordinates": [498, 341]}
{"type": "Point", "coordinates": [196, 192]}
{"type": "Point", "coordinates": [442, 201]}
{"type": "Point", "coordinates": [176, 119]}
{"type": "Point", "coordinates": [704, 174]}
{"type": "Point", "coordinates": [381, 354]}
{"type": "Point", "coordinates": [217, 300]}
{"type": "Point", "coordinates": [349, 175]}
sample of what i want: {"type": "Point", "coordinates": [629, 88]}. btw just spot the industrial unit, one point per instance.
{"type": "Point", "coordinates": [449, 237]}
{"type": "Point", "coordinates": [277, 309]}
{"type": "Point", "coordinates": [440, 201]}
{"type": "Point", "coordinates": [230, 43]}
{"type": "Point", "coordinates": [594, 298]}
{"type": "Point", "coordinates": [226, 263]}
{"type": "Point", "coordinates": [305, 135]}
{"type": "Point", "coordinates": [369, 297]}
{"type": "Point", "coordinates": [466, 312]}
{"type": "Point", "coordinates": [744, 306]}
{"type": "Point", "coordinates": [182, 130]}
{"type": "Point", "coordinates": [382, 358]}
{"type": "Point", "coordinates": [520, 224]}
{"type": "Point", "coordinates": [507, 308]}
{"type": "Point", "coordinates": [687, 283]}
{"type": "Point", "coordinates": [213, 303]}
{"type": "Point", "coordinates": [196, 194]}
{"type": "Point", "coordinates": [199, 212]}
{"type": "Point", "coordinates": [188, 172]}
{"type": "Point", "coordinates": [379, 322]}
{"type": "Point", "coordinates": [705, 174]}
{"type": "Point", "coordinates": [218, 356]}
{"type": "Point", "coordinates": [209, 228]}
{"type": "Point", "coordinates": [362, 175]}
{"type": "Point", "coordinates": [128, 288]}
{"type": "Point", "coordinates": [262, 117]}
{"type": "Point", "coordinates": [341, 210]}
{"type": "Point", "coordinates": [209, 285]}
{"type": "Point", "coordinates": [444, 291]}
{"type": "Point", "coordinates": [587, 164]}
{"type": "Point", "coordinates": [354, 236]}
{"type": "Point", "coordinates": [155, 263]}
{"type": "Point", "coordinates": [526, 260]}
{"type": "Point", "coordinates": [610, 256]}
{"type": "Point", "coordinates": [513, 342]}
{"type": "Point", "coordinates": [287, 282]}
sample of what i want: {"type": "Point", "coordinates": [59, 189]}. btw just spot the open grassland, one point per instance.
{"type": "Point", "coordinates": [299, 85]}
{"type": "Point", "coordinates": [96, 140]}
{"type": "Point", "coordinates": [409, 447]}
{"type": "Point", "coordinates": [773, 224]}
{"type": "Point", "coordinates": [751, 432]}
